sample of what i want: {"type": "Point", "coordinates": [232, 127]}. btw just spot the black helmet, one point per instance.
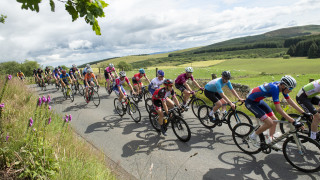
{"type": "Point", "coordinates": [168, 82]}
{"type": "Point", "coordinates": [226, 74]}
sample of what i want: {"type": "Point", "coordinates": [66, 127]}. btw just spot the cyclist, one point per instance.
{"type": "Point", "coordinates": [307, 97]}
{"type": "Point", "coordinates": [47, 72]}
{"type": "Point", "coordinates": [73, 73]}
{"type": "Point", "coordinates": [88, 81]}
{"type": "Point", "coordinates": [156, 82]}
{"type": "Point", "coordinates": [182, 85]}
{"type": "Point", "coordinates": [84, 72]}
{"type": "Point", "coordinates": [39, 76]}
{"type": "Point", "coordinates": [213, 91]}
{"type": "Point", "coordinates": [60, 69]}
{"type": "Point", "coordinates": [136, 80]}
{"type": "Point", "coordinates": [65, 79]}
{"type": "Point", "coordinates": [261, 110]}
{"type": "Point", "coordinates": [108, 74]}
{"type": "Point", "coordinates": [160, 100]}
{"type": "Point", "coordinates": [56, 75]}
{"type": "Point", "coordinates": [21, 75]}
{"type": "Point", "coordinates": [118, 88]}
{"type": "Point", "coordinates": [35, 75]}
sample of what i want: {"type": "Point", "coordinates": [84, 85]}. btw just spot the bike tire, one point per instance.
{"type": "Point", "coordinates": [118, 107]}
{"type": "Point", "coordinates": [81, 90]}
{"type": "Point", "coordinates": [71, 95]}
{"type": "Point", "coordinates": [153, 117]}
{"type": "Point", "coordinates": [146, 95]}
{"type": "Point", "coordinates": [195, 104]}
{"type": "Point", "coordinates": [203, 116]}
{"type": "Point", "coordinates": [148, 104]}
{"type": "Point", "coordinates": [180, 126]}
{"type": "Point", "coordinates": [240, 135]}
{"type": "Point", "coordinates": [134, 112]}
{"type": "Point", "coordinates": [95, 98]}
{"type": "Point", "coordinates": [237, 117]}
{"type": "Point", "coordinates": [307, 159]}
{"type": "Point", "coordinates": [135, 97]}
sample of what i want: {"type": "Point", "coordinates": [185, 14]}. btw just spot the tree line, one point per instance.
{"type": "Point", "coordinates": [309, 48]}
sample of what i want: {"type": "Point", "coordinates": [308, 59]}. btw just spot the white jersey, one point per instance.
{"type": "Point", "coordinates": [156, 83]}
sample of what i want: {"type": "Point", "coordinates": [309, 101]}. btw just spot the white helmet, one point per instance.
{"type": "Point", "coordinates": [289, 82]}
{"type": "Point", "coordinates": [89, 70]}
{"type": "Point", "coordinates": [111, 65]}
{"type": "Point", "coordinates": [88, 65]}
{"type": "Point", "coordinates": [189, 69]}
{"type": "Point", "coordinates": [122, 74]}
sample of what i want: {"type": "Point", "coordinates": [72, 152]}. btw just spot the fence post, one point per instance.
{"type": "Point", "coordinates": [213, 76]}
{"type": "Point", "coordinates": [156, 72]}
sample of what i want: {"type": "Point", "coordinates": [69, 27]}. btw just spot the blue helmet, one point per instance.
{"type": "Point", "coordinates": [160, 73]}
{"type": "Point", "coordinates": [142, 71]}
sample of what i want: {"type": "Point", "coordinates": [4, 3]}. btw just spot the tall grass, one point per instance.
{"type": "Point", "coordinates": [44, 150]}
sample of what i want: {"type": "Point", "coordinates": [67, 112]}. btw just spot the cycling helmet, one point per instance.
{"type": "Point", "coordinates": [74, 66]}
{"type": "Point", "coordinates": [160, 73]}
{"type": "Point", "coordinates": [56, 69]}
{"type": "Point", "coordinates": [189, 69]}
{"type": "Point", "coordinates": [63, 72]}
{"type": "Point", "coordinates": [122, 74]}
{"type": "Point", "coordinates": [59, 66]}
{"type": "Point", "coordinates": [289, 82]}
{"type": "Point", "coordinates": [142, 71]}
{"type": "Point", "coordinates": [111, 65]}
{"type": "Point", "coordinates": [168, 82]}
{"type": "Point", "coordinates": [88, 65]}
{"type": "Point", "coordinates": [89, 70]}
{"type": "Point", "coordinates": [39, 69]}
{"type": "Point", "coordinates": [226, 74]}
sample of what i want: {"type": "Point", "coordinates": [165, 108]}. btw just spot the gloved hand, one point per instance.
{"type": "Point", "coordinates": [192, 92]}
{"type": "Point", "coordinates": [307, 115]}
{"type": "Point", "coordinates": [165, 114]}
{"type": "Point", "coordinates": [202, 88]}
{"type": "Point", "coordinates": [297, 124]}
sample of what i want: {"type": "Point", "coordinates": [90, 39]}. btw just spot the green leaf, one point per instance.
{"type": "Point", "coordinates": [52, 5]}
{"type": "Point", "coordinates": [72, 11]}
{"type": "Point", "coordinates": [96, 27]}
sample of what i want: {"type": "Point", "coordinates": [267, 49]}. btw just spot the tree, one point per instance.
{"type": "Point", "coordinates": [313, 51]}
{"type": "Point", "coordinates": [2, 18]}
{"type": "Point", "coordinates": [292, 50]}
{"type": "Point", "coordinates": [89, 9]}
{"type": "Point", "coordinates": [27, 67]}
{"type": "Point", "coordinates": [123, 66]}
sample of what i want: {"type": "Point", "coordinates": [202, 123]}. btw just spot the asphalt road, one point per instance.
{"type": "Point", "coordinates": [145, 154]}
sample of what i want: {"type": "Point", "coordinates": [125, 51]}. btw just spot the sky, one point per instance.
{"type": "Point", "coordinates": [141, 27]}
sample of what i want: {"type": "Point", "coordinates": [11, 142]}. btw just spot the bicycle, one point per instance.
{"type": "Point", "coordinates": [194, 101]}
{"type": "Point", "coordinates": [231, 117]}
{"type": "Point", "coordinates": [129, 107]}
{"type": "Point", "coordinates": [178, 124]}
{"type": "Point", "coordinates": [67, 93]}
{"type": "Point", "coordinates": [58, 85]}
{"type": "Point", "coordinates": [92, 96]}
{"type": "Point", "coordinates": [145, 94]}
{"type": "Point", "coordinates": [42, 85]}
{"type": "Point", "coordinates": [112, 84]}
{"type": "Point", "coordinates": [304, 120]}
{"type": "Point", "coordinates": [300, 151]}
{"type": "Point", "coordinates": [76, 86]}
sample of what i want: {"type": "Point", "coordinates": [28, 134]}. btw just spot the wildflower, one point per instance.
{"type": "Point", "coordinates": [70, 117]}
{"type": "Point", "coordinates": [48, 99]}
{"type": "Point", "coordinates": [9, 77]}
{"type": "Point", "coordinates": [66, 119]}
{"type": "Point", "coordinates": [49, 120]}
{"type": "Point", "coordinates": [34, 129]}
{"type": "Point", "coordinates": [44, 99]}
{"type": "Point", "coordinates": [49, 107]}
{"type": "Point", "coordinates": [40, 101]}
{"type": "Point", "coordinates": [2, 105]}
{"type": "Point", "coordinates": [30, 122]}
{"type": "Point", "coordinates": [7, 137]}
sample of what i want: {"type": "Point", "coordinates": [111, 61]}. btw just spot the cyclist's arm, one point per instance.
{"type": "Point", "coordinates": [225, 98]}
{"type": "Point", "coordinates": [115, 72]}
{"type": "Point", "coordinates": [147, 79]}
{"type": "Point", "coordinates": [70, 79]}
{"type": "Point", "coordinates": [294, 105]}
{"type": "Point", "coordinates": [175, 100]}
{"type": "Point", "coordinates": [165, 107]}
{"type": "Point", "coordinates": [236, 94]}
{"type": "Point", "coordinates": [131, 88]}
{"type": "Point", "coordinates": [95, 79]}
{"type": "Point", "coordinates": [282, 113]}
{"type": "Point", "coordinates": [196, 83]}
{"type": "Point", "coordinates": [187, 86]}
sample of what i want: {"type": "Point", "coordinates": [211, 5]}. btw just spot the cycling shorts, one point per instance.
{"type": "Point", "coordinates": [181, 87]}
{"type": "Point", "coordinates": [213, 96]}
{"type": "Point", "coordinates": [107, 75]}
{"type": "Point", "coordinates": [307, 103]}
{"type": "Point", "coordinates": [260, 109]}
{"type": "Point", "coordinates": [135, 82]}
{"type": "Point", "coordinates": [116, 90]}
{"type": "Point", "coordinates": [157, 104]}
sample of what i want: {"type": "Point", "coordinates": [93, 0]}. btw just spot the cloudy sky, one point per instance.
{"type": "Point", "coordinates": [141, 27]}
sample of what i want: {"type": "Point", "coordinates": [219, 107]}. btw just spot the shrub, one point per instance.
{"type": "Point", "coordinates": [286, 56]}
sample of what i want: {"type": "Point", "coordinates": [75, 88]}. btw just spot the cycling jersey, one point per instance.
{"type": "Point", "coordinates": [89, 77]}
{"type": "Point", "coordinates": [216, 85]}
{"type": "Point", "coordinates": [266, 90]}
{"type": "Point", "coordinates": [55, 73]}
{"type": "Point", "coordinates": [46, 71]}
{"type": "Point", "coordinates": [312, 89]}
{"type": "Point", "coordinates": [40, 73]}
{"type": "Point", "coordinates": [182, 78]}
{"type": "Point", "coordinates": [110, 70]}
{"type": "Point", "coordinates": [20, 74]}
{"type": "Point", "coordinates": [64, 77]}
{"type": "Point", "coordinates": [84, 72]}
{"type": "Point", "coordinates": [34, 72]}
{"type": "Point", "coordinates": [162, 94]}
{"type": "Point", "coordinates": [156, 83]}
{"type": "Point", "coordinates": [119, 82]}
{"type": "Point", "coordinates": [74, 71]}
{"type": "Point", "coordinates": [138, 76]}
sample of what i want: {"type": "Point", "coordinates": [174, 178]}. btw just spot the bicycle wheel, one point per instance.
{"type": "Point", "coordinates": [195, 104]}
{"type": "Point", "coordinates": [148, 104]}
{"type": "Point", "coordinates": [306, 160]}
{"type": "Point", "coordinates": [134, 112]}
{"type": "Point", "coordinates": [71, 95]}
{"type": "Point", "coordinates": [240, 135]}
{"type": "Point", "coordinates": [81, 90]}
{"type": "Point", "coordinates": [203, 116]}
{"type": "Point", "coordinates": [106, 86]}
{"type": "Point", "coordinates": [74, 89]}
{"type": "Point", "coordinates": [146, 95]}
{"type": "Point", "coordinates": [118, 107]}
{"type": "Point", "coordinates": [153, 117]}
{"type": "Point", "coordinates": [181, 129]}
{"type": "Point", "coordinates": [284, 127]}
{"type": "Point", "coordinates": [237, 117]}
{"type": "Point", "coordinates": [64, 92]}
{"type": "Point", "coordinates": [95, 98]}
{"type": "Point", "coordinates": [135, 97]}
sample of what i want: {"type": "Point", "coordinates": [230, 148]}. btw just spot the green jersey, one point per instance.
{"type": "Point", "coordinates": [312, 89]}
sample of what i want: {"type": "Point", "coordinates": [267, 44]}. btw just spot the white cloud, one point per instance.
{"type": "Point", "coordinates": [141, 26]}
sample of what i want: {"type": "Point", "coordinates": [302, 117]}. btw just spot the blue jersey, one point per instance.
{"type": "Point", "coordinates": [64, 77]}
{"type": "Point", "coordinates": [56, 73]}
{"type": "Point", "coordinates": [216, 85]}
{"type": "Point", "coordinates": [267, 90]}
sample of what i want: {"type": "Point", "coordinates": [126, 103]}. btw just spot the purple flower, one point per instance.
{"type": "Point", "coordinates": [30, 122]}
{"type": "Point", "coordinates": [7, 137]}
{"type": "Point", "coordinates": [66, 119]}
{"type": "Point", "coordinates": [48, 99]}
{"type": "Point", "coordinates": [44, 99]}
{"type": "Point", "coordinates": [40, 101]}
{"type": "Point", "coordinates": [2, 105]}
{"type": "Point", "coordinates": [49, 120]}
{"type": "Point", "coordinates": [49, 107]}
{"type": "Point", "coordinates": [9, 77]}
{"type": "Point", "coordinates": [70, 117]}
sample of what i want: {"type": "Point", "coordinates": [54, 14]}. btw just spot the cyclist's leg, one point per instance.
{"type": "Point", "coordinates": [170, 103]}
{"type": "Point", "coordinates": [215, 98]}
{"type": "Point", "coordinates": [316, 116]}
{"type": "Point", "coordinates": [157, 104]}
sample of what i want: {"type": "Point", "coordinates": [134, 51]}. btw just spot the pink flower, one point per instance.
{"type": "Point", "coordinates": [49, 120]}
{"type": "Point", "coordinates": [9, 77]}
{"type": "Point", "coordinates": [40, 101]}
{"type": "Point", "coordinates": [7, 137]}
{"type": "Point", "coordinates": [44, 99]}
{"type": "Point", "coordinates": [67, 118]}
{"type": "Point", "coordinates": [30, 122]}
{"type": "Point", "coordinates": [70, 117]}
{"type": "Point", "coordinates": [49, 107]}
{"type": "Point", "coordinates": [48, 99]}
{"type": "Point", "coordinates": [2, 105]}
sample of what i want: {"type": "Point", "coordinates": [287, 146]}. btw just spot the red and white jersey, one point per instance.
{"type": "Point", "coordinates": [119, 82]}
